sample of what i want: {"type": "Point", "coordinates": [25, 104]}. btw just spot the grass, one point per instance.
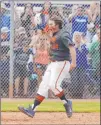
{"type": "Point", "coordinates": [52, 106]}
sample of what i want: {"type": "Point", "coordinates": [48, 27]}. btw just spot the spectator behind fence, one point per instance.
{"type": "Point", "coordinates": [4, 62]}
{"type": "Point", "coordinates": [27, 17]}
{"type": "Point", "coordinates": [5, 34]}
{"type": "Point", "coordinates": [79, 20]}
{"type": "Point", "coordinates": [20, 37]}
{"type": "Point", "coordinates": [20, 67]}
{"type": "Point", "coordinates": [5, 17]}
{"type": "Point", "coordinates": [64, 17]}
{"type": "Point", "coordinates": [95, 37]}
{"type": "Point", "coordinates": [46, 7]}
{"type": "Point", "coordinates": [4, 40]}
{"type": "Point", "coordinates": [41, 56]}
{"type": "Point", "coordinates": [94, 51]}
{"type": "Point", "coordinates": [17, 20]}
{"type": "Point", "coordinates": [46, 10]}
{"type": "Point", "coordinates": [42, 17]}
{"type": "Point", "coordinates": [78, 75]}
{"type": "Point", "coordinates": [33, 77]}
{"type": "Point", "coordinates": [34, 38]}
{"type": "Point", "coordinates": [94, 20]}
{"type": "Point", "coordinates": [4, 70]}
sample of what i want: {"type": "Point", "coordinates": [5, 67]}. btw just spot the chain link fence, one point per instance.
{"type": "Point", "coordinates": [30, 46]}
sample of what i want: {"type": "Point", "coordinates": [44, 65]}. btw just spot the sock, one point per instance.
{"type": "Point", "coordinates": [62, 97]}
{"type": "Point", "coordinates": [37, 101]}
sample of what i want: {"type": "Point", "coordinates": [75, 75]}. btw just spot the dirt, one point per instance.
{"type": "Point", "coordinates": [50, 118]}
{"type": "Point", "coordinates": [56, 100]}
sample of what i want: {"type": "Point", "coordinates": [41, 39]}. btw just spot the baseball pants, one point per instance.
{"type": "Point", "coordinates": [53, 77]}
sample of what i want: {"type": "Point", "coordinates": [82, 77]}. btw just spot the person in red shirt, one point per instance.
{"type": "Point", "coordinates": [42, 57]}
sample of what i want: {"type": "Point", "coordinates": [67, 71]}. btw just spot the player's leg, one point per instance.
{"type": "Point", "coordinates": [58, 73]}
{"type": "Point", "coordinates": [41, 94]}
{"type": "Point", "coordinates": [43, 88]}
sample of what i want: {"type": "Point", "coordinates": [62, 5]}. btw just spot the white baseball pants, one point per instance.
{"type": "Point", "coordinates": [53, 77]}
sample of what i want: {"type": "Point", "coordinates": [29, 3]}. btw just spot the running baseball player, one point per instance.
{"type": "Point", "coordinates": [63, 59]}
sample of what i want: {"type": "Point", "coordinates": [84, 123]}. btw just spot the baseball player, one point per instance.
{"type": "Point", "coordinates": [63, 59]}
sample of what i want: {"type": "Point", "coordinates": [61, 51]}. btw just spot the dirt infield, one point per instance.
{"type": "Point", "coordinates": [56, 100]}
{"type": "Point", "coordinates": [50, 118]}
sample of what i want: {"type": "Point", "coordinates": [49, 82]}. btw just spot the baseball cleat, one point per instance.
{"type": "Point", "coordinates": [68, 107]}
{"type": "Point", "coordinates": [28, 111]}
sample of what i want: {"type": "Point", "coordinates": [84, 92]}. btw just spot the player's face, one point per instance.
{"type": "Point", "coordinates": [52, 25]}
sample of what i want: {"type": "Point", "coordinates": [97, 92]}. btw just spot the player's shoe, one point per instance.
{"type": "Point", "coordinates": [68, 107]}
{"type": "Point", "coordinates": [28, 111]}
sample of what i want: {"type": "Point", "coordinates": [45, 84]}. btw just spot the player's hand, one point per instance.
{"type": "Point", "coordinates": [72, 66]}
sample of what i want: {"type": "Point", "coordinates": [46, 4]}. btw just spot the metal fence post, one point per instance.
{"type": "Point", "coordinates": [11, 48]}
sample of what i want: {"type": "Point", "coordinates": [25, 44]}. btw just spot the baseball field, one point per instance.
{"type": "Point", "coordinates": [51, 112]}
